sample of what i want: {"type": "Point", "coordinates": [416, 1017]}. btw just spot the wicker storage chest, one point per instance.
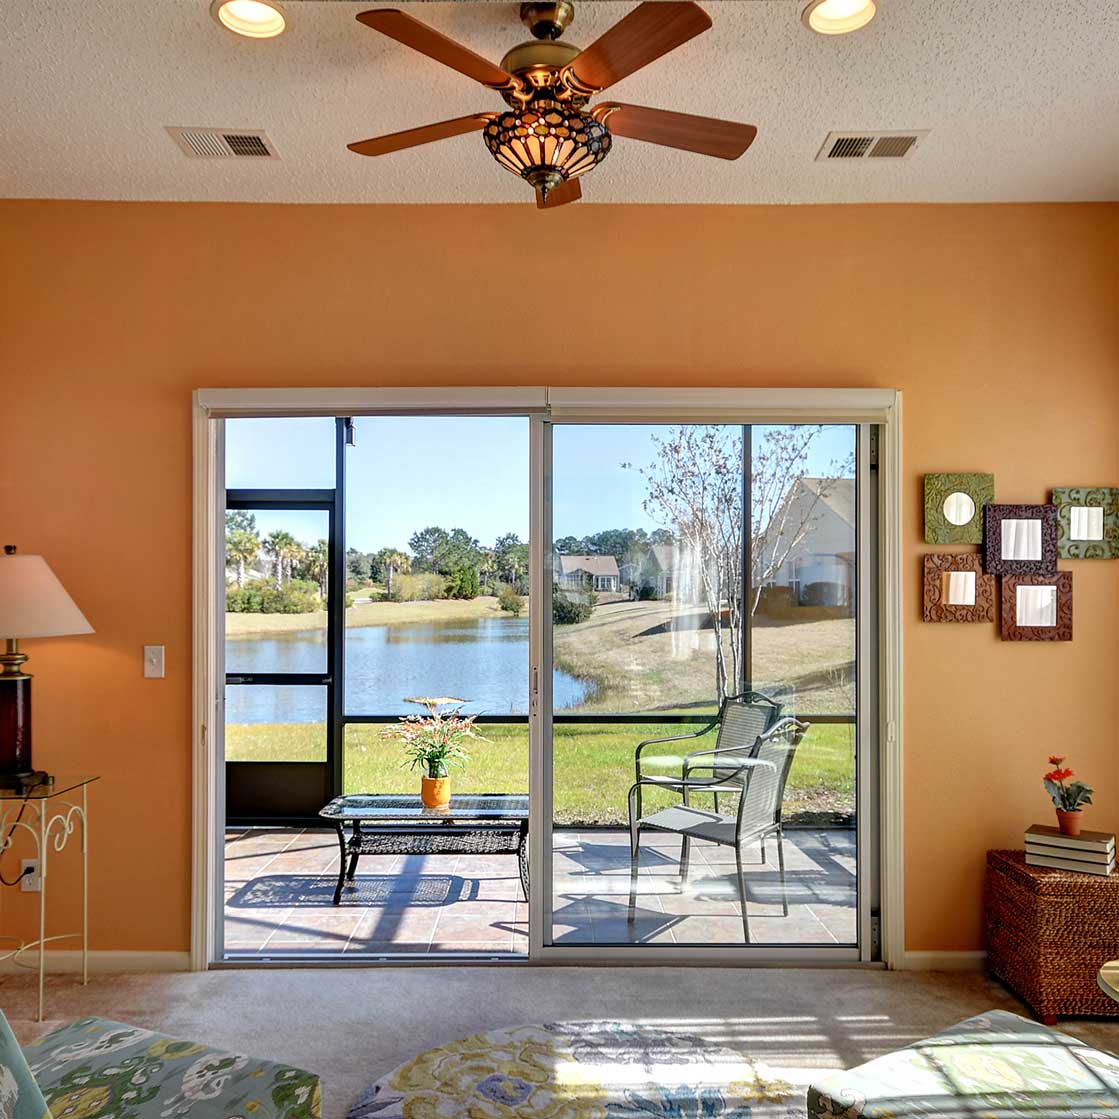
{"type": "Point", "coordinates": [1048, 932]}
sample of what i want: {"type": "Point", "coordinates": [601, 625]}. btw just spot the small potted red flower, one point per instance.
{"type": "Point", "coordinates": [1067, 796]}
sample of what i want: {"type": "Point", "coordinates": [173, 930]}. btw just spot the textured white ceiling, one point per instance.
{"type": "Point", "coordinates": [1022, 97]}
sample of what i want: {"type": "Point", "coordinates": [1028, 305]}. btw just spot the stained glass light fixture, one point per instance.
{"type": "Point", "coordinates": [547, 143]}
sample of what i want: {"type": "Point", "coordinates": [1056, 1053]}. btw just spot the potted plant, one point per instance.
{"type": "Point", "coordinates": [1067, 798]}
{"type": "Point", "coordinates": [435, 741]}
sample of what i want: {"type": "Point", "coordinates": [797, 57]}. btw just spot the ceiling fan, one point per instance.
{"type": "Point", "coordinates": [548, 137]}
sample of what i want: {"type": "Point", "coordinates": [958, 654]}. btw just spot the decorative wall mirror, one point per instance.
{"type": "Point", "coordinates": [1037, 607]}
{"type": "Point", "coordinates": [954, 507]}
{"type": "Point", "coordinates": [957, 590]}
{"type": "Point", "coordinates": [1087, 522]}
{"type": "Point", "coordinates": [1020, 540]}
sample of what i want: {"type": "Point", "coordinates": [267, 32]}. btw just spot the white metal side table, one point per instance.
{"type": "Point", "coordinates": [50, 814]}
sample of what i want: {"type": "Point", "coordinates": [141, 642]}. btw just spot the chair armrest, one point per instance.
{"type": "Point", "coordinates": [697, 783]}
{"type": "Point", "coordinates": [673, 738]}
{"type": "Point", "coordinates": [717, 751]}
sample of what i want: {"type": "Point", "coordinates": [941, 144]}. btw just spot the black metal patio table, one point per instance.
{"type": "Point", "coordinates": [390, 824]}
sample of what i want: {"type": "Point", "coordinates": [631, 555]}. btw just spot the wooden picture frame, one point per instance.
{"type": "Point", "coordinates": [1011, 616]}
{"type": "Point", "coordinates": [939, 590]}
{"type": "Point", "coordinates": [1037, 545]}
{"type": "Point", "coordinates": [1073, 503]}
{"type": "Point", "coordinates": [939, 488]}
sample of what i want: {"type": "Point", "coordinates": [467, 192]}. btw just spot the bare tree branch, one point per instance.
{"type": "Point", "coordinates": [695, 489]}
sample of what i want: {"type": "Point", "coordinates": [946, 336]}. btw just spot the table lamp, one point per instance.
{"type": "Point", "coordinates": [33, 603]}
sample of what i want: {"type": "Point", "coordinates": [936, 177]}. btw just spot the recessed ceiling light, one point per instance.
{"type": "Point", "coordinates": [255, 19]}
{"type": "Point", "coordinates": [837, 17]}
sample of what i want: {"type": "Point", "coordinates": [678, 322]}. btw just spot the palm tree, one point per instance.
{"type": "Point", "coordinates": [395, 563]}
{"type": "Point", "coordinates": [295, 556]}
{"type": "Point", "coordinates": [278, 547]}
{"type": "Point", "coordinates": [317, 562]}
{"type": "Point", "coordinates": [487, 568]}
{"type": "Point", "coordinates": [242, 547]}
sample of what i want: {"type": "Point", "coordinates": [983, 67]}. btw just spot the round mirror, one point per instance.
{"type": "Point", "coordinates": [958, 508]}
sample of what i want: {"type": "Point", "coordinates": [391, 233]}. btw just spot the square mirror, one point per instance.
{"type": "Point", "coordinates": [956, 590]}
{"type": "Point", "coordinates": [954, 507]}
{"type": "Point", "coordinates": [1037, 608]}
{"type": "Point", "coordinates": [959, 588]}
{"type": "Point", "coordinates": [1087, 522]}
{"type": "Point", "coordinates": [1020, 539]}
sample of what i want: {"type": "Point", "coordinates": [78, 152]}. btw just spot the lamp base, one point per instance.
{"type": "Point", "coordinates": [15, 726]}
{"type": "Point", "coordinates": [24, 782]}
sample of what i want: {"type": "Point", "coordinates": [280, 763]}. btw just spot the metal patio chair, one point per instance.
{"type": "Point", "coordinates": [740, 721]}
{"type": "Point", "coordinates": [759, 780]}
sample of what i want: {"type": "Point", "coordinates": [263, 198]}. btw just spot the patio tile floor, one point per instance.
{"type": "Point", "coordinates": [280, 884]}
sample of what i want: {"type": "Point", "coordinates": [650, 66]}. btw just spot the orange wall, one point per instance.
{"type": "Point", "coordinates": [999, 323]}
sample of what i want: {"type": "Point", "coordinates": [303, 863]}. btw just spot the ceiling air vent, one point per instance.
{"type": "Point", "coordinates": [223, 143]}
{"type": "Point", "coordinates": [870, 145]}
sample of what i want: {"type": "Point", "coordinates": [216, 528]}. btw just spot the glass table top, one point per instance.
{"type": "Point", "coordinates": [392, 807]}
{"type": "Point", "coordinates": [63, 783]}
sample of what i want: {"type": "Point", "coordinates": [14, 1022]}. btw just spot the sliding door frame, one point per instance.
{"type": "Point", "coordinates": [609, 407]}
{"type": "Point", "coordinates": [880, 722]}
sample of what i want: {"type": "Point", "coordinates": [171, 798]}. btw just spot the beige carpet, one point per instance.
{"type": "Point", "coordinates": [352, 1025]}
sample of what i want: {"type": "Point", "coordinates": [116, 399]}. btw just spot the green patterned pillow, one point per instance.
{"type": "Point", "coordinates": [95, 1068]}
{"type": "Point", "coordinates": [20, 1097]}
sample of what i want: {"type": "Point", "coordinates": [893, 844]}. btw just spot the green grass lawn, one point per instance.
{"type": "Point", "coordinates": [593, 765]}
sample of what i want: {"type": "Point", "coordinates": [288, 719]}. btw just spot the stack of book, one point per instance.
{"type": "Point", "coordinates": [1090, 852]}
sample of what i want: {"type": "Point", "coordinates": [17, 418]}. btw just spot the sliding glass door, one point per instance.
{"type": "Point", "coordinates": [689, 564]}
{"type": "Point", "coordinates": [664, 574]}
{"type": "Point", "coordinates": [436, 619]}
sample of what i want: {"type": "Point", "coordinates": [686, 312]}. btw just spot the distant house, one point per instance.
{"type": "Point", "coordinates": [818, 569]}
{"type": "Point", "coordinates": [580, 573]}
{"type": "Point", "coordinates": [650, 571]}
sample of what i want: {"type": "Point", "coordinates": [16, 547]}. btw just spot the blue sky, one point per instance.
{"type": "Point", "coordinates": [466, 472]}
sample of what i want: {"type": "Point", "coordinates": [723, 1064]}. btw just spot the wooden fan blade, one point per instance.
{"type": "Point", "coordinates": [725, 139]}
{"type": "Point", "coordinates": [569, 191]}
{"type": "Point", "coordinates": [413, 137]}
{"type": "Point", "coordinates": [649, 31]}
{"type": "Point", "coordinates": [404, 29]}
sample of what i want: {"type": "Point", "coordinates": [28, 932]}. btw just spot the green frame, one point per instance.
{"type": "Point", "coordinates": [1105, 497]}
{"type": "Point", "coordinates": [938, 529]}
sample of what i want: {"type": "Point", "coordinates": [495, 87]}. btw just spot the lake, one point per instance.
{"type": "Point", "coordinates": [483, 660]}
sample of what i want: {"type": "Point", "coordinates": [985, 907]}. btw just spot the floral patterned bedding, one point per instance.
{"type": "Point", "coordinates": [98, 1069]}
{"type": "Point", "coordinates": [994, 1066]}
{"type": "Point", "coordinates": [580, 1070]}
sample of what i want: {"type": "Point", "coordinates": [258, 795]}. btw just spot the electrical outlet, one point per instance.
{"type": "Point", "coordinates": [30, 883]}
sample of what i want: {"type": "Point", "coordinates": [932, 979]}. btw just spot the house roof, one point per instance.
{"type": "Point", "coordinates": [838, 494]}
{"type": "Point", "coordinates": [592, 565]}
{"type": "Point", "coordinates": [666, 556]}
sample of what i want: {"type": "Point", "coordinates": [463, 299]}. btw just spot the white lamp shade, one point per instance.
{"type": "Point", "coordinates": [33, 603]}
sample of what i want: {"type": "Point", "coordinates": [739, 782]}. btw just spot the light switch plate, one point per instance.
{"type": "Point", "coordinates": [153, 662]}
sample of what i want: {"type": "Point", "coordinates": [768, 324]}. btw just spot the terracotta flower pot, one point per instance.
{"type": "Point", "coordinates": [1068, 822]}
{"type": "Point", "coordinates": [435, 792]}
